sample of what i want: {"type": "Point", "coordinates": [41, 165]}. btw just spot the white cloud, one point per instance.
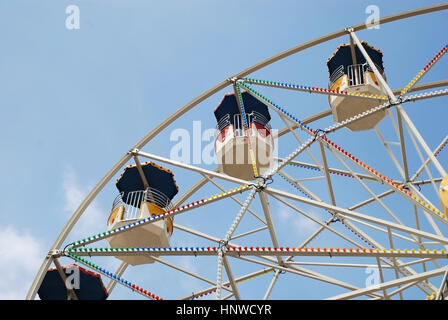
{"type": "Point", "coordinates": [94, 218]}
{"type": "Point", "coordinates": [188, 263]}
{"type": "Point", "coordinates": [20, 257]}
{"type": "Point", "coordinates": [297, 221]}
{"type": "Point", "coordinates": [187, 283]}
{"type": "Point", "coordinates": [21, 254]}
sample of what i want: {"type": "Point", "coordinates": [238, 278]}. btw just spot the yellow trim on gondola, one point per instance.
{"type": "Point", "coordinates": [338, 83]}
{"type": "Point", "coordinates": [372, 75]}
{"type": "Point", "coordinates": [116, 214]}
{"type": "Point", "coordinates": [443, 194]}
{"type": "Point", "coordinates": [154, 210]}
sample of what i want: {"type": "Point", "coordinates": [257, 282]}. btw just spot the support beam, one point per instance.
{"type": "Point", "coordinates": [391, 155]}
{"type": "Point", "coordinates": [262, 252]}
{"type": "Point", "coordinates": [225, 241]}
{"type": "Point", "coordinates": [397, 235]}
{"type": "Point", "coordinates": [121, 269]}
{"type": "Point", "coordinates": [141, 173]}
{"type": "Point", "coordinates": [331, 170]}
{"type": "Point", "coordinates": [401, 289]}
{"type": "Point", "coordinates": [305, 273]}
{"type": "Point", "coordinates": [428, 172]}
{"type": "Point", "coordinates": [226, 284]}
{"type": "Point", "coordinates": [390, 284]}
{"type": "Point", "coordinates": [235, 199]}
{"type": "Point", "coordinates": [391, 245]}
{"type": "Point", "coordinates": [428, 160]}
{"type": "Point", "coordinates": [289, 124]}
{"type": "Point", "coordinates": [341, 265]}
{"type": "Point", "coordinates": [322, 224]}
{"type": "Point", "coordinates": [400, 109]}
{"type": "Point", "coordinates": [71, 295]}
{"type": "Point", "coordinates": [184, 197]}
{"type": "Point", "coordinates": [249, 232]}
{"type": "Point", "coordinates": [267, 213]}
{"type": "Point", "coordinates": [193, 168]}
{"type": "Point", "coordinates": [271, 285]}
{"type": "Point", "coordinates": [367, 238]}
{"type": "Point", "coordinates": [379, 201]}
{"type": "Point", "coordinates": [327, 175]}
{"type": "Point", "coordinates": [422, 141]}
{"type": "Point", "coordinates": [354, 214]}
{"type": "Point", "coordinates": [381, 277]}
{"type": "Point", "coordinates": [442, 293]}
{"type": "Point", "coordinates": [403, 149]}
{"type": "Point", "coordinates": [231, 278]}
{"type": "Point", "coordinates": [183, 270]}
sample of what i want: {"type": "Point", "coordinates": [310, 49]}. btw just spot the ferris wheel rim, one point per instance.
{"type": "Point", "coordinates": [189, 106]}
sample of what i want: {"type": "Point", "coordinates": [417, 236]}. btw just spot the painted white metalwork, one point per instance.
{"type": "Point", "coordinates": [353, 221]}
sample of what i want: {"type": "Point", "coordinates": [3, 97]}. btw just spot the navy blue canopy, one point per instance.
{"type": "Point", "coordinates": [159, 179]}
{"type": "Point", "coordinates": [229, 106]}
{"type": "Point", "coordinates": [343, 56]}
{"type": "Point", "coordinates": [91, 286]}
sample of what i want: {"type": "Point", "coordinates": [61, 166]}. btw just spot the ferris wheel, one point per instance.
{"type": "Point", "coordinates": [360, 174]}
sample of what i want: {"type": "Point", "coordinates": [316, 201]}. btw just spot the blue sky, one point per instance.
{"type": "Point", "coordinates": [74, 101]}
